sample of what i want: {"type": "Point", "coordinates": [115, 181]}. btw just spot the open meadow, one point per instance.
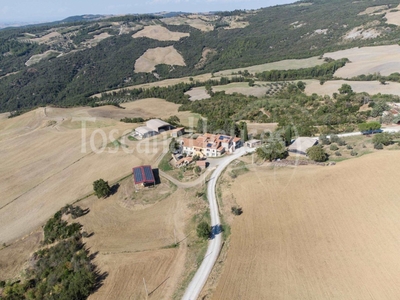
{"type": "Point", "coordinates": [315, 232]}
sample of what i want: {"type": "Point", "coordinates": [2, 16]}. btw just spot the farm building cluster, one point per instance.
{"type": "Point", "coordinates": [210, 145]}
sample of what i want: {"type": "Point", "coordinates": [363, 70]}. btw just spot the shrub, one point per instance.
{"type": "Point", "coordinates": [353, 153]}
{"type": "Point", "coordinates": [2, 284]}
{"type": "Point", "coordinates": [333, 147]}
{"type": "Point", "coordinates": [203, 230]}
{"type": "Point", "coordinates": [237, 211]}
{"type": "Point", "coordinates": [349, 147]}
{"type": "Point", "coordinates": [324, 140]}
{"type": "Point", "coordinates": [378, 146]}
{"type": "Point", "coordinates": [337, 153]}
{"type": "Point", "coordinates": [317, 153]}
{"type": "Point", "coordinates": [383, 138]}
{"type": "Point", "coordinates": [341, 142]}
{"type": "Point", "coordinates": [334, 138]}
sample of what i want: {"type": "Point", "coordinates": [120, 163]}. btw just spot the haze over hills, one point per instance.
{"type": "Point", "coordinates": [64, 63]}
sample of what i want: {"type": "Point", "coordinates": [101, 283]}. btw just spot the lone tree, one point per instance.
{"type": "Point", "coordinates": [101, 188]}
{"type": "Point", "coordinates": [317, 153]}
{"type": "Point", "coordinates": [273, 149]}
{"type": "Point", "coordinates": [203, 230]}
{"type": "Point", "coordinates": [346, 89]}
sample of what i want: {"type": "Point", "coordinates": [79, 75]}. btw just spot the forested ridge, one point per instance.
{"type": "Point", "coordinates": [273, 34]}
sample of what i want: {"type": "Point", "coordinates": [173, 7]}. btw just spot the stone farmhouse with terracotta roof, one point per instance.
{"type": "Point", "coordinates": [210, 145]}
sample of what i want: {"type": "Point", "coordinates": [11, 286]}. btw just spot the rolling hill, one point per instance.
{"type": "Point", "coordinates": [63, 63]}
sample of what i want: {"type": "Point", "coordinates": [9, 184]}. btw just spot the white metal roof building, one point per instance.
{"type": "Point", "coordinates": [302, 144]}
{"type": "Point", "coordinates": [144, 132]}
{"type": "Point", "coordinates": [158, 125]}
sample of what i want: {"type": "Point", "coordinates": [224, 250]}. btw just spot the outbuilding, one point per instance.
{"type": "Point", "coordinates": [302, 144]}
{"type": "Point", "coordinates": [143, 176]}
{"type": "Point", "coordinates": [158, 125]}
{"type": "Point", "coordinates": [144, 132]}
{"type": "Point", "coordinates": [253, 143]}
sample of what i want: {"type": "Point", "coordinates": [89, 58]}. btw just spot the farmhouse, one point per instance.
{"type": "Point", "coordinates": [302, 144]}
{"type": "Point", "coordinates": [153, 127]}
{"type": "Point", "coordinates": [210, 145]}
{"type": "Point", "coordinates": [143, 176]}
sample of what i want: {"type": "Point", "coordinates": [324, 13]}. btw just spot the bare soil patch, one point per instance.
{"type": "Point", "coordinates": [370, 87]}
{"type": "Point", "coordinates": [316, 232]}
{"type": "Point", "coordinates": [161, 55]}
{"type": "Point", "coordinates": [368, 60]}
{"type": "Point", "coordinates": [160, 33]}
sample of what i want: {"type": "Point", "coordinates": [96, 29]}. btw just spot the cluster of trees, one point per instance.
{"type": "Point", "coordinates": [274, 148]}
{"type": "Point", "coordinates": [62, 271]}
{"type": "Point", "coordinates": [57, 229]}
{"type": "Point", "coordinates": [132, 120]}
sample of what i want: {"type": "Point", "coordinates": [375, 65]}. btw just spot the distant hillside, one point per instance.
{"type": "Point", "coordinates": [89, 57]}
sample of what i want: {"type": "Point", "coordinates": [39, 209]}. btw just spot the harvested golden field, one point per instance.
{"type": "Point", "coordinates": [131, 241]}
{"type": "Point", "coordinates": [162, 83]}
{"type": "Point", "coordinates": [368, 60]}
{"type": "Point", "coordinates": [393, 17]}
{"type": "Point", "coordinates": [160, 33]}
{"type": "Point", "coordinates": [160, 55]}
{"type": "Point", "coordinates": [45, 165]}
{"type": "Point", "coordinates": [258, 90]}
{"type": "Point", "coordinates": [195, 22]}
{"type": "Point", "coordinates": [279, 65]}
{"type": "Point", "coordinates": [14, 257]}
{"type": "Point", "coordinates": [316, 232]}
{"type": "Point", "coordinates": [370, 87]}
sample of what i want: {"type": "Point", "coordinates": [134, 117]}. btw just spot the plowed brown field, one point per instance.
{"type": "Point", "coordinates": [316, 232]}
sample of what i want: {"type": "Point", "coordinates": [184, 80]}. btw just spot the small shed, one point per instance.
{"type": "Point", "coordinates": [143, 175]}
{"type": "Point", "coordinates": [253, 143]}
{"type": "Point", "coordinates": [302, 144]}
{"type": "Point", "coordinates": [202, 164]}
{"type": "Point", "coordinates": [177, 132]}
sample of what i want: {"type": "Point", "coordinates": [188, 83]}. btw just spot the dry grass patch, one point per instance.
{"type": "Point", "coordinates": [242, 88]}
{"type": "Point", "coordinates": [14, 258]}
{"type": "Point", "coordinates": [374, 9]}
{"type": "Point", "coordinates": [368, 60]}
{"type": "Point", "coordinates": [307, 232]}
{"type": "Point", "coordinates": [160, 33]}
{"type": "Point", "coordinates": [198, 93]}
{"type": "Point", "coordinates": [46, 38]}
{"type": "Point", "coordinates": [160, 55]}
{"type": "Point", "coordinates": [38, 57]}
{"type": "Point", "coordinates": [370, 87]}
{"type": "Point", "coordinates": [195, 22]}
{"type": "Point", "coordinates": [393, 17]}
